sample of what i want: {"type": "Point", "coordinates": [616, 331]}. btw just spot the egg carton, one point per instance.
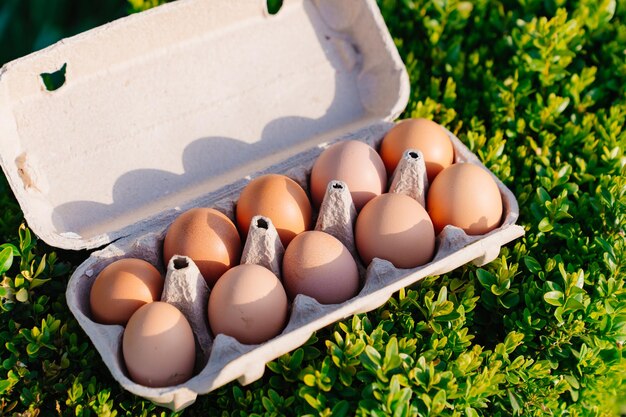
{"type": "Point", "coordinates": [179, 107]}
{"type": "Point", "coordinates": [223, 359]}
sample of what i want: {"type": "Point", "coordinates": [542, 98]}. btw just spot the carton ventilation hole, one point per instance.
{"type": "Point", "coordinates": [262, 224]}
{"type": "Point", "coordinates": [54, 80]}
{"type": "Point", "coordinates": [180, 263]}
{"type": "Point", "coordinates": [273, 6]}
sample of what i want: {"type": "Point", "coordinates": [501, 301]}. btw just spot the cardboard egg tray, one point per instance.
{"type": "Point", "coordinates": [227, 358]}
{"type": "Point", "coordinates": [180, 107]}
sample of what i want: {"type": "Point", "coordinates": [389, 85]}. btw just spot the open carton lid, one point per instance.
{"type": "Point", "coordinates": [160, 108]}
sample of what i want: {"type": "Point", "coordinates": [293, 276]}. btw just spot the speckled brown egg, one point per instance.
{"type": "Point", "coordinates": [465, 195]}
{"type": "Point", "coordinates": [353, 162]}
{"type": "Point", "coordinates": [423, 135]}
{"type": "Point", "coordinates": [208, 237]}
{"type": "Point", "coordinates": [320, 266]}
{"type": "Point", "coordinates": [248, 303]}
{"type": "Point", "coordinates": [396, 228]}
{"type": "Point", "coordinates": [121, 288]}
{"type": "Point", "coordinates": [158, 346]}
{"type": "Point", "coordinates": [281, 199]}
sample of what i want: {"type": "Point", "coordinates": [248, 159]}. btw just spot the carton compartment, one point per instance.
{"type": "Point", "coordinates": [226, 359]}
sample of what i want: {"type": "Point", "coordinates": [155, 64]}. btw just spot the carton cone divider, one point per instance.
{"type": "Point", "coordinates": [338, 214]}
{"type": "Point", "coordinates": [186, 289]}
{"type": "Point", "coordinates": [263, 246]}
{"type": "Point", "coordinates": [410, 178]}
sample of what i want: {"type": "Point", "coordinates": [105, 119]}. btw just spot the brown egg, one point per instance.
{"type": "Point", "coordinates": [279, 198]}
{"type": "Point", "coordinates": [158, 346]}
{"type": "Point", "coordinates": [121, 288]}
{"type": "Point", "coordinates": [421, 134]}
{"type": "Point", "coordinates": [396, 228]}
{"type": "Point", "coordinates": [353, 162]}
{"type": "Point", "coordinates": [208, 237]}
{"type": "Point", "coordinates": [320, 266]}
{"type": "Point", "coordinates": [248, 303]}
{"type": "Point", "coordinates": [466, 196]}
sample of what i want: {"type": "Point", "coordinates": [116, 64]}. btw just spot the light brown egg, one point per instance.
{"type": "Point", "coordinates": [353, 162]}
{"type": "Point", "coordinates": [248, 303]}
{"type": "Point", "coordinates": [421, 134]}
{"type": "Point", "coordinates": [466, 196]}
{"type": "Point", "coordinates": [121, 288]}
{"type": "Point", "coordinates": [158, 346]}
{"type": "Point", "coordinates": [281, 199]}
{"type": "Point", "coordinates": [208, 237]}
{"type": "Point", "coordinates": [320, 266]}
{"type": "Point", "coordinates": [396, 228]}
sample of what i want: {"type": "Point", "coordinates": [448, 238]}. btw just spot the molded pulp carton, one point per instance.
{"type": "Point", "coordinates": [180, 107]}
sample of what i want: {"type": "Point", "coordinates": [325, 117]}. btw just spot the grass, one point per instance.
{"type": "Point", "coordinates": [536, 88]}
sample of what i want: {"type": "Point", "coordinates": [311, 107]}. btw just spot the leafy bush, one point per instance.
{"type": "Point", "coordinates": [536, 88]}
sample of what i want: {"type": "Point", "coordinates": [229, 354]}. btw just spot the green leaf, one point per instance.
{"type": "Point", "coordinates": [309, 379]}
{"type": "Point", "coordinates": [32, 348]}
{"type": "Point", "coordinates": [16, 251]}
{"type": "Point", "coordinates": [5, 384]}
{"type": "Point", "coordinates": [558, 314]}
{"type": "Point", "coordinates": [356, 349]}
{"type": "Point", "coordinates": [6, 259]}
{"type": "Point", "coordinates": [296, 359]}
{"type": "Point", "coordinates": [312, 401]}
{"type": "Point", "coordinates": [543, 195]}
{"type": "Point", "coordinates": [580, 279]}
{"type": "Point", "coordinates": [545, 225]}
{"type": "Point", "coordinates": [443, 295]}
{"type": "Point", "coordinates": [572, 305]}
{"type": "Point", "coordinates": [554, 298]}
{"type": "Point", "coordinates": [533, 266]}
{"type": "Point", "coordinates": [41, 267]}
{"type": "Point", "coordinates": [267, 404]}
{"type": "Point", "coordinates": [373, 355]}
{"type": "Point", "coordinates": [485, 278]}
{"type": "Point", "coordinates": [439, 401]}
{"type": "Point", "coordinates": [572, 381]}
{"type": "Point", "coordinates": [509, 300]}
{"type": "Point", "coordinates": [500, 290]}
{"type": "Point", "coordinates": [455, 315]}
{"type": "Point", "coordinates": [38, 282]}
{"type": "Point", "coordinates": [340, 409]}
{"type": "Point", "coordinates": [515, 405]}
{"type": "Point", "coordinates": [470, 412]}
{"type": "Point", "coordinates": [392, 358]}
{"type": "Point", "coordinates": [22, 295]}
{"type": "Point", "coordinates": [25, 239]}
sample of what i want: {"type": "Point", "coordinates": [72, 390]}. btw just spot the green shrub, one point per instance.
{"type": "Point", "coordinates": [536, 88]}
